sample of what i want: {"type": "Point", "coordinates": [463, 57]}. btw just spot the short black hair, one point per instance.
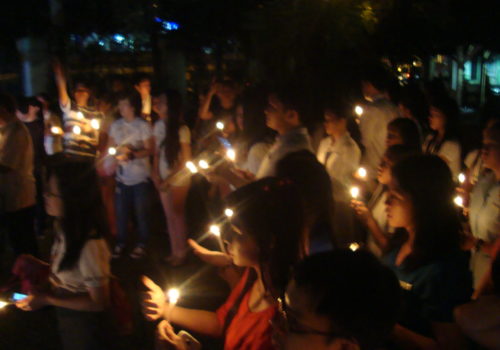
{"type": "Point", "coordinates": [133, 97]}
{"type": "Point", "coordinates": [7, 102]}
{"type": "Point", "coordinates": [140, 78]}
{"type": "Point", "coordinates": [291, 96]}
{"type": "Point", "coordinates": [359, 296]}
{"type": "Point", "coordinates": [24, 103]}
{"type": "Point", "coordinates": [409, 132]}
{"type": "Point", "coordinates": [339, 106]}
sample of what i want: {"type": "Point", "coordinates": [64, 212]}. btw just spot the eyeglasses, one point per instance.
{"type": "Point", "coordinates": [288, 322]}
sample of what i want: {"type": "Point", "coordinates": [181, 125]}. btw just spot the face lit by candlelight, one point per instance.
{"type": "Point", "coordinates": [491, 151]}
{"type": "Point", "coordinates": [384, 171]}
{"type": "Point", "coordinates": [393, 137]}
{"type": "Point", "coordinates": [398, 207]}
{"type": "Point", "coordinates": [437, 119]}
{"type": "Point", "coordinates": [243, 249]}
{"type": "Point", "coordinates": [53, 200]}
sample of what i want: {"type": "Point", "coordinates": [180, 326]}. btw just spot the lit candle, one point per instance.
{"type": "Point", "coordinates": [354, 246]}
{"type": "Point", "coordinates": [358, 110]}
{"type": "Point", "coordinates": [173, 295]}
{"type": "Point", "coordinates": [112, 151]}
{"type": "Point", "coordinates": [228, 212]}
{"type": "Point", "coordinates": [219, 125]}
{"type": "Point", "coordinates": [80, 115]}
{"type": "Point", "coordinates": [77, 130]}
{"type": "Point", "coordinates": [56, 130]}
{"type": "Point", "coordinates": [461, 178]}
{"type": "Point", "coordinates": [215, 230]}
{"type": "Point", "coordinates": [95, 124]}
{"type": "Point", "coordinates": [231, 154]}
{"type": "Point", "coordinates": [354, 192]}
{"type": "Point", "coordinates": [459, 201]}
{"type": "Point", "coordinates": [192, 168]}
{"type": "Point", "coordinates": [3, 304]}
{"type": "Point", "coordinates": [203, 164]}
{"type": "Point", "coordinates": [362, 173]}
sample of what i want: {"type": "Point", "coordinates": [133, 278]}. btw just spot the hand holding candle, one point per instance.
{"type": "Point", "coordinates": [354, 192]}
{"type": "Point", "coordinates": [95, 124]}
{"type": "Point", "coordinates": [219, 125]}
{"type": "Point", "coordinates": [153, 300]}
{"type": "Point", "coordinates": [358, 110]}
{"type": "Point", "coordinates": [459, 201]}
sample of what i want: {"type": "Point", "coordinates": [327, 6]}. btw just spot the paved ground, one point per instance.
{"type": "Point", "coordinates": [202, 288]}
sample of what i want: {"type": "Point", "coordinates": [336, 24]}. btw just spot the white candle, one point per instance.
{"type": "Point", "coordinates": [77, 130]}
{"type": "Point", "coordinates": [354, 192]}
{"type": "Point", "coordinates": [192, 168]}
{"type": "Point", "coordinates": [228, 212]}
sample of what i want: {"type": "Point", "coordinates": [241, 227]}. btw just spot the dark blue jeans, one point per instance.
{"type": "Point", "coordinates": [134, 199]}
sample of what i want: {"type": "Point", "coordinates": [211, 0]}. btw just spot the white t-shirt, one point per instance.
{"type": "Point", "coordinates": [293, 141]}
{"type": "Point", "coordinates": [160, 134]}
{"type": "Point", "coordinates": [255, 156]}
{"type": "Point", "coordinates": [450, 152]}
{"type": "Point", "coordinates": [134, 134]}
{"type": "Point", "coordinates": [17, 185]}
{"type": "Point", "coordinates": [91, 271]}
{"type": "Point", "coordinates": [341, 159]}
{"type": "Point", "coordinates": [373, 127]}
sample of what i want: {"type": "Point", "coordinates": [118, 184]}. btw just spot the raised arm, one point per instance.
{"type": "Point", "coordinates": [62, 87]}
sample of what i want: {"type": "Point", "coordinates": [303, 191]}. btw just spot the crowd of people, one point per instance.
{"type": "Point", "coordinates": [369, 230]}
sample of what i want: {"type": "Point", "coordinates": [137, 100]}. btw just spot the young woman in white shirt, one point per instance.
{"type": "Point", "coordinates": [172, 151]}
{"type": "Point", "coordinates": [79, 267]}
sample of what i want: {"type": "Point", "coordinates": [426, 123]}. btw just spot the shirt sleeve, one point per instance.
{"type": "Point", "coordinates": [94, 263]}
{"type": "Point", "coordinates": [184, 134]}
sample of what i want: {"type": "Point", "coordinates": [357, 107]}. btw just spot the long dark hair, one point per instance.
{"type": "Point", "coordinates": [270, 211]}
{"type": "Point", "coordinates": [83, 210]}
{"type": "Point", "coordinates": [173, 123]}
{"type": "Point", "coordinates": [448, 106]}
{"type": "Point", "coordinates": [428, 182]}
{"type": "Point", "coordinates": [408, 130]}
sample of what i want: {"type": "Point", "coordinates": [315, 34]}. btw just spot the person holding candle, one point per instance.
{"type": "Point", "coordinates": [443, 121]}
{"type": "Point", "coordinates": [79, 267]}
{"type": "Point", "coordinates": [373, 215]}
{"type": "Point", "coordinates": [77, 115]}
{"type": "Point", "coordinates": [484, 209]}
{"type": "Point", "coordinates": [426, 256]}
{"type": "Point", "coordinates": [266, 236]}
{"type": "Point", "coordinates": [133, 138]}
{"type": "Point", "coordinates": [173, 150]}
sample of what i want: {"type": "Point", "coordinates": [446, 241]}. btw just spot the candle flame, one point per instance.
{"type": "Point", "coordinates": [215, 230]}
{"type": "Point", "coordinates": [77, 130]}
{"type": "Point", "coordinates": [354, 246]}
{"type": "Point", "coordinates": [192, 168]}
{"type": "Point", "coordinates": [362, 172]}
{"type": "Point", "coordinates": [354, 192]}
{"type": "Point", "coordinates": [3, 304]}
{"type": "Point", "coordinates": [173, 295]}
{"type": "Point", "coordinates": [219, 125]}
{"type": "Point", "coordinates": [80, 115]}
{"type": "Point", "coordinates": [56, 130]}
{"type": "Point", "coordinates": [111, 151]}
{"type": "Point", "coordinates": [229, 212]}
{"type": "Point", "coordinates": [461, 178]}
{"type": "Point", "coordinates": [358, 110]}
{"type": "Point", "coordinates": [231, 154]}
{"type": "Point", "coordinates": [95, 124]}
{"type": "Point", "coordinates": [203, 164]}
{"type": "Point", "coordinates": [459, 201]}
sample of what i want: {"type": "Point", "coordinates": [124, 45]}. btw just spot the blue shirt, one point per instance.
{"type": "Point", "coordinates": [433, 290]}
